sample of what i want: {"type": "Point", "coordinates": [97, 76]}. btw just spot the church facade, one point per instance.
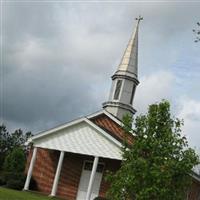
{"type": "Point", "coordinates": [70, 161]}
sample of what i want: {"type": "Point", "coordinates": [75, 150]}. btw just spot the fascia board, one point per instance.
{"type": "Point", "coordinates": [196, 177]}
{"type": "Point", "coordinates": [51, 131]}
{"type": "Point", "coordinates": [42, 134]}
{"type": "Point", "coordinates": [95, 114]}
{"type": "Point", "coordinates": [113, 118]}
{"type": "Point", "coordinates": [108, 136]}
{"type": "Point", "coordinates": [107, 114]}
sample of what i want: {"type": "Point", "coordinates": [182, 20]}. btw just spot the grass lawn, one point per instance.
{"type": "Point", "coordinates": [8, 194]}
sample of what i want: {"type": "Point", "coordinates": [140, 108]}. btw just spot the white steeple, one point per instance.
{"type": "Point", "coordinates": [124, 80]}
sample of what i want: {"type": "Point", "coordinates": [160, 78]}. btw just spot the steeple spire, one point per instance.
{"type": "Point", "coordinates": [129, 61]}
{"type": "Point", "coordinates": [125, 79]}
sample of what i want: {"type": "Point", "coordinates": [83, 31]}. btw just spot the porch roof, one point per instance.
{"type": "Point", "coordinates": [80, 136]}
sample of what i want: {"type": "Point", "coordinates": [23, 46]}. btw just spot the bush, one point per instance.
{"type": "Point", "coordinates": [15, 161]}
{"type": "Point", "coordinates": [14, 165]}
{"type": "Point", "coordinates": [14, 180]}
{"type": "Point", "coordinates": [2, 180]}
{"type": "Point", "coordinates": [15, 184]}
{"type": "Point", "coordinates": [100, 198]}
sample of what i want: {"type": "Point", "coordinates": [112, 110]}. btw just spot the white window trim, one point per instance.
{"type": "Point", "coordinates": [91, 161]}
{"type": "Point", "coordinates": [120, 93]}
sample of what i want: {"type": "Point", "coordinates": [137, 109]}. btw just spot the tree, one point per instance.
{"type": "Point", "coordinates": [159, 162]}
{"type": "Point", "coordinates": [15, 161]}
{"type": "Point", "coordinates": [197, 32]}
{"type": "Point", "coordinates": [13, 168]}
{"type": "Point", "coordinates": [9, 141]}
{"type": "Point", "coordinates": [12, 157]}
{"type": "Point", "coordinates": [4, 144]}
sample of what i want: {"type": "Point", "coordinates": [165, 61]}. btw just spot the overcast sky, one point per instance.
{"type": "Point", "coordinates": [57, 59]}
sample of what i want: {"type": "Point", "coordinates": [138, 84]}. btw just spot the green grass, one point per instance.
{"type": "Point", "coordinates": [8, 194]}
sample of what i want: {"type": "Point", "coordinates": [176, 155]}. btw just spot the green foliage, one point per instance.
{"type": "Point", "coordinates": [100, 198]}
{"type": "Point", "coordinates": [13, 169]}
{"type": "Point", "coordinates": [9, 141]}
{"type": "Point", "coordinates": [14, 180]}
{"type": "Point", "coordinates": [15, 161]}
{"type": "Point", "coordinates": [12, 157]}
{"type": "Point", "coordinates": [127, 127]}
{"type": "Point", "coordinates": [4, 144]}
{"type": "Point", "coordinates": [158, 165]}
{"type": "Point", "coordinates": [2, 179]}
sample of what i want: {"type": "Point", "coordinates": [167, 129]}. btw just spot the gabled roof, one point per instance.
{"type": "Point", "coordinates": [113, 121]}
{"type": "Point", "coordinates": [114, 128]}
{"type": "Point", "coordinates": [112, 117]}
{"type": "Point", "coordinates": [86, 137]}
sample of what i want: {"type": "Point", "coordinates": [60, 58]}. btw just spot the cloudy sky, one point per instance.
{"type": "Point", "coordinates": [57, 58]}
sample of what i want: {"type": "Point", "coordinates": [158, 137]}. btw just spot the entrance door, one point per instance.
{"type": "Point", "coordinates": [84, 181]}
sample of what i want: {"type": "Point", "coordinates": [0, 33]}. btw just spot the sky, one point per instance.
{"type": "Point", "coordinates": [57, 58]}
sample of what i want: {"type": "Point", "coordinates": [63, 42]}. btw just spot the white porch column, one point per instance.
{"type": "Point", "coordinates": [92, 176]}
{"type": "Point", "coordinates": [30, 170]}
{"type": "Point", "coordinates": [57, 175]}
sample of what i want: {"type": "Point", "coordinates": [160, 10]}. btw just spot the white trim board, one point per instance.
{"type": "Point", "coordinates": [68, 124]}
{"type": "Point", "coordinates": [54, 130]}
{"type": "Point", "coordinates": [83, 137]}
{"type": "Point", "coordinates": [196, 176]}
{"type": "Point", "coordinates": [107, 114]}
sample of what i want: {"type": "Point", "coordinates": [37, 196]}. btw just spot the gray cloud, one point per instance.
{"type": "Point", "coordinates": [58, 57]}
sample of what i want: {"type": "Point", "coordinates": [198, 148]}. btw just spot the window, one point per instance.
{"type": "Point", "coordinates": [132, 94]}
{"type": "Point", "coordinates": [117, 89]}
{"type": "Point", "coordinates": [88, 166]}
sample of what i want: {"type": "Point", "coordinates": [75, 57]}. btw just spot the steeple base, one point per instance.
{"type": "Point", "coordinates": [118, 109]}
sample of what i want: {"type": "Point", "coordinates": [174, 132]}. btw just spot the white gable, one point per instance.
{"type": "Point", "coordinates": [83, 138]}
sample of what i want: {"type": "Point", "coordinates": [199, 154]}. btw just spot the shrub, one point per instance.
{"type": "Point", "coordinates": [15, 161]}
{"type": "Point", "coordinates": [100, 198]}
{"type": "Point", "coordinates": [14, 180]}
{"type": "Point", "coordinates": [14, 184]}
{"type": "Point", "coordinates": [2, 179]}
{"type": "Point", "coordinates": [14, 165]}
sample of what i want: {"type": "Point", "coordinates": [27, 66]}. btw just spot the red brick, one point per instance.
{"type": "Point", "coordinates": [111, 127]}
{"type": "Point", "coordinates": [46, 164]}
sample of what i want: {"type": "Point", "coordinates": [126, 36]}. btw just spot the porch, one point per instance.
{"type": "Point", "coordinates": [68, 175]}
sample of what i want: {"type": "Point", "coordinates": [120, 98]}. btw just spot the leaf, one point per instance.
{"type": "Point", "coordinates": [157, 164]}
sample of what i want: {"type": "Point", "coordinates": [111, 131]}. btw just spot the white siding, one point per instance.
{"type": "Point", "coordinates": [80, 138]}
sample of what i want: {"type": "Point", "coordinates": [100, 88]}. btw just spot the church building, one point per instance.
{"type": "Point", "coordinates": [70, 161]}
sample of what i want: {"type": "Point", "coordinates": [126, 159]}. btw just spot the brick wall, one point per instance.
{"type": "Point", "coordinates": [194, 193]}
{"type": "Point", "coordinates": [45, 168]}
{"type": "Point", "coordinates": [70, 176]}
{"type": "Point", "coordinates": [112, 128]}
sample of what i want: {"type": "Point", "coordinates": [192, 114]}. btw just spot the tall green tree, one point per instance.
{"type": "Point", "coordinates": [15, 161]}
{"type": "Point", "coordinates": [13, 169]}
{"type": "Point", "coordinates": [4, 138]}
{"type": "Point", "coordinates": [10, 141]}
{"type": "Point", "coordinates": [158, 164]}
